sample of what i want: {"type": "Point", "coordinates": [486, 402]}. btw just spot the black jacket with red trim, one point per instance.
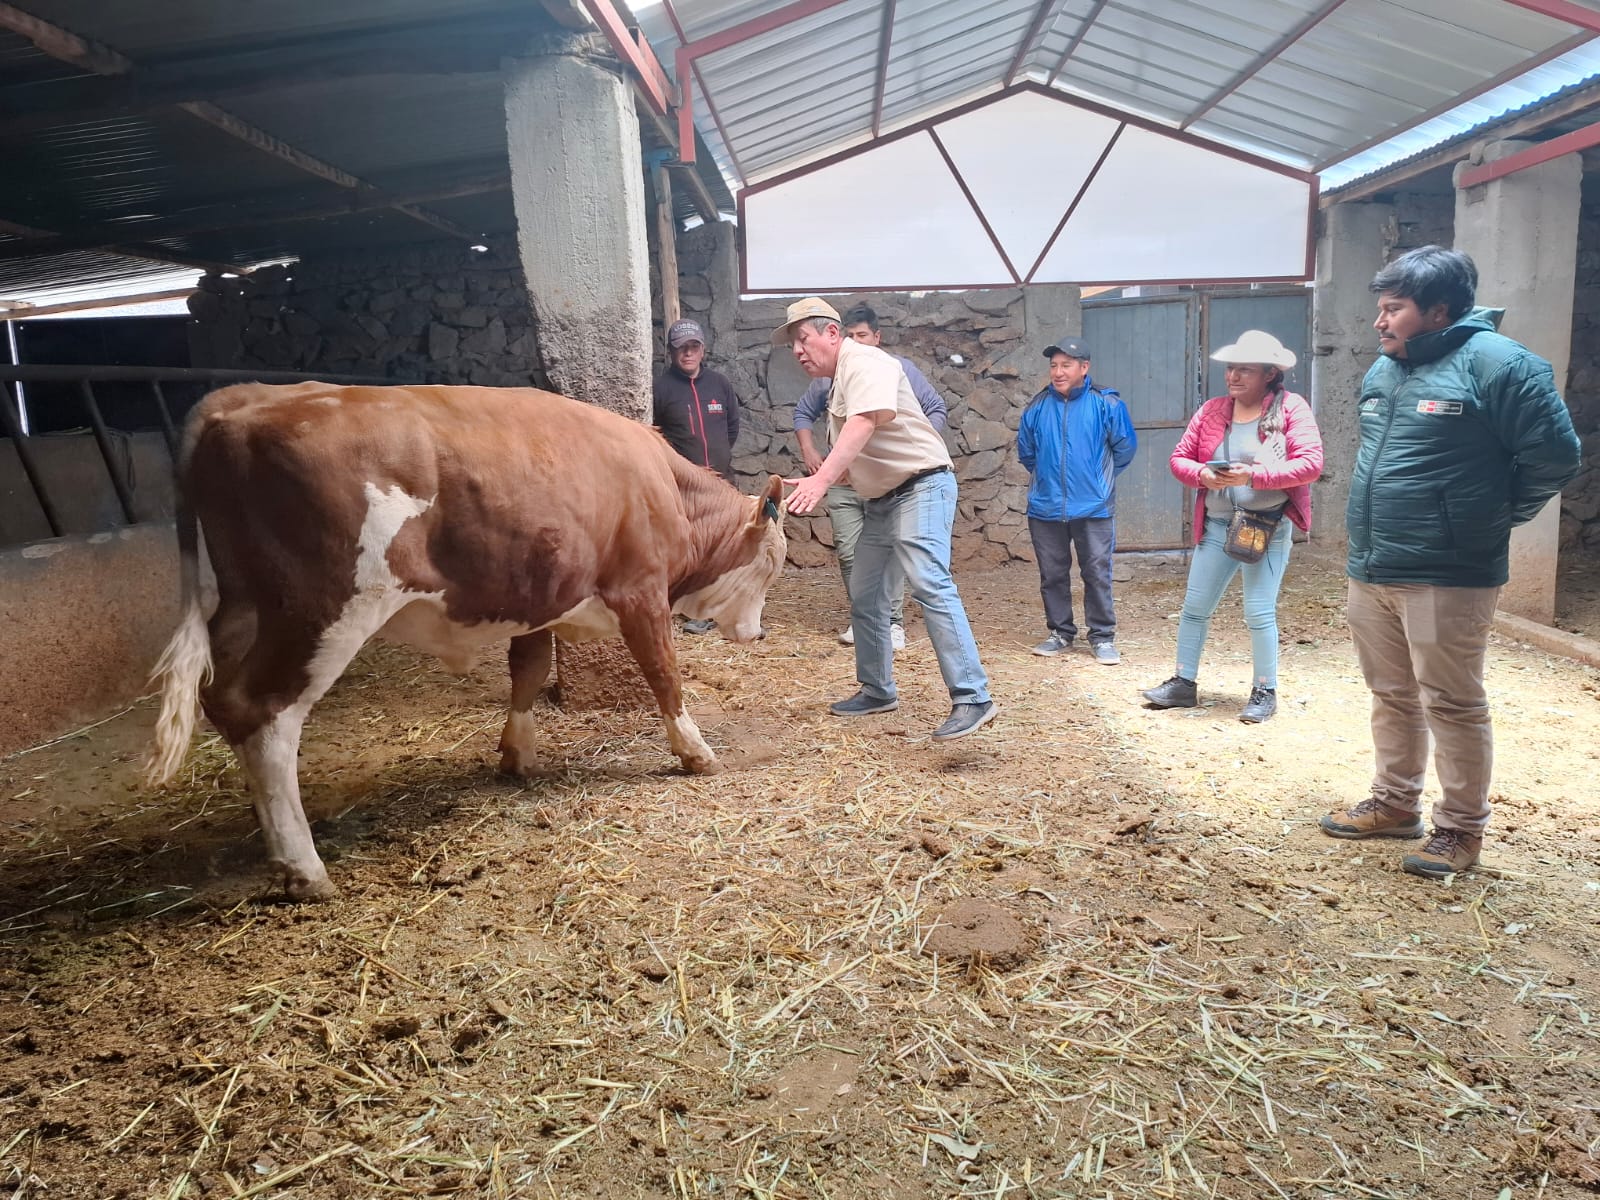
{"type": "Point", "coordinates": [699, 417]}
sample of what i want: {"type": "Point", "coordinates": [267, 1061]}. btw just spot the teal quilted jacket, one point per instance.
{"type": "Point", "coordinates": [1460, 441]}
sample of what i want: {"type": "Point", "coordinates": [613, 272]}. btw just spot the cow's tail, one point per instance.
{"type": "Point", "coordinates": [185, 665]}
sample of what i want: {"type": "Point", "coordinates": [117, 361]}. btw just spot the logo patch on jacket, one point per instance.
{"type": "Point", "coordinates": [1370, 404]}
{"type": "Point", "coordinates": [714, 406]}
{"type": "Point", "coordinates": [1443, 408]}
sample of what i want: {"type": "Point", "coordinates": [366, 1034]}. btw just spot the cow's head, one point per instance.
{"type": "Point", "coordinates": [735, 598]}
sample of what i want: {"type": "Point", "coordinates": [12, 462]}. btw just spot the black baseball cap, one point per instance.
{"type": "Point", "coordinates": [1072, 347]}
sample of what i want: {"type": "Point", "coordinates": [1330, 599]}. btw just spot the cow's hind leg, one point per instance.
{"type": "Point", "coordinates": [260, 705]}
{"type": "Point", "coordinates": [529, 659]}
{"type": "Point", "coordinates": [648, 633]}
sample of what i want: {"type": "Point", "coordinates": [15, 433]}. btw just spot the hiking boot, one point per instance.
{"type": "Point", "coordinates": [699, 626]}
{"type": "Point", "coordinates": [1053, 645]}
{"type": "Point", "coordinates": [1372, 818]}
{"type": "Point", "coordinates": [897, 636]}
{"type": "Point", "coordinates": [1263, 703]}
{"type": "Point", "coordinates": [1443, 854]}
{"type": "Point", "coordinates": [1176, 692]}
{"type": "Point", "coordinates": [862, 705]}
{"type": "Point", "coordinates": [965, 719]}
{"type": "Point", "coordinates": [1106, 652]}
{"type": "Point", "coordinates": [848, 637]}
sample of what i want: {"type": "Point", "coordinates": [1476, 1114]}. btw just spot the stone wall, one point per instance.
{"type": "Point", "coordinates": [1580, 501]}
{"type": "Point", "coordinates": [439, 312]}
{"type": "Point", "coordinates": [1421, 219]}
{"type": "Point", "coordinates": [980, 349]}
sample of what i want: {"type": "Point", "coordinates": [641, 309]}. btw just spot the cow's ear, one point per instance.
{"type": "Point", "coordinates": [770, 503]}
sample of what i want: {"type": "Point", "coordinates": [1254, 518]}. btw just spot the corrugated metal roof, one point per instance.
{"type": "Point", "coordinates": [403, 95]}
{"type": "Point", "coordinates": [1304, 82]}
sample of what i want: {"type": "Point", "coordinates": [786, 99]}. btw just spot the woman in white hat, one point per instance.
{"type": "Point", "coordinates": [1256, 449]}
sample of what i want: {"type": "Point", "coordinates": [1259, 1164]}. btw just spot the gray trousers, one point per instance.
{"type": "Point", "coordinates": [1093, 539]}
{"type": "Point", "coordinates": [847, 511]}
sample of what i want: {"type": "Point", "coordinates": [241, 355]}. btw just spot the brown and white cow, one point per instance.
{"type": "Point", "coordinates": [448, 518]}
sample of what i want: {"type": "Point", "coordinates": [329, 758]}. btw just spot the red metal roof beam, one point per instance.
{"type": "Point", "coordinates": [1567, 143]}
{"type": "Point", "coordinates": [1563, 10]}
{"type": "Point", "coordinates": [722, 40]}
{"type": "Point", "coordinates": [647, 73]}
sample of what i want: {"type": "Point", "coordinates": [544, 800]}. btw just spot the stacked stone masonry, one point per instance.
{"type": "Point", "coordinates": [435, 313]}
{"type": "Point", "coordinates": [998, 373]}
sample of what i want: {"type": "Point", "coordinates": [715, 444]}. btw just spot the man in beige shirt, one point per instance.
{"type": "Point", "coordinates": [898, 464]}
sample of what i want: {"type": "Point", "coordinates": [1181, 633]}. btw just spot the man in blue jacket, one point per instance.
{"type": "Point", "coordinates": [1463, 437]}
{"type": "Point", "coordinates": [1075, 439]}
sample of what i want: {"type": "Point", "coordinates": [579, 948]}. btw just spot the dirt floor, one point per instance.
{"type": "Point", "coordinates": [1094, 951]}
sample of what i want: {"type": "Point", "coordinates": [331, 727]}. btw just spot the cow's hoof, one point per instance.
{"type": "Point", "coordinates": [514, 765]}
{"type": "Point", "coordinates": [702, 766]}
{"type": "Point", "coordinates": [303, 890]}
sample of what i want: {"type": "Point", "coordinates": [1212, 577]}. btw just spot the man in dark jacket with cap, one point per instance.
{"type": "Point", "coordinates": [695, 407]}
{"type": "Point", "coordinates": [1075, 439]}
{"type": "Point", "coordinates": [696, 410]}
{"type": "Point", "coordinates": [1463, 437]}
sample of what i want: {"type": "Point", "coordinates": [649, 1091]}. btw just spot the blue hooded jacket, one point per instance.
{"type": "Point", "coordinates": [1075, 448]}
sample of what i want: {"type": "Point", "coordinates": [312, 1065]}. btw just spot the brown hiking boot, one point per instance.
{"type": "Point", "coordinates": [1445, 853]}
{"type": "Point", "coordinates": [1369, 819]}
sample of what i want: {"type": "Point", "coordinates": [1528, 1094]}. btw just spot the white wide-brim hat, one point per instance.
{"type": "Point", "coordinates": [1256, 346]}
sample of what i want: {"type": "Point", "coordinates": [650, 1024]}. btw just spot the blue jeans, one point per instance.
{"type": "Point", "coordinates": [1210, 572]}
{"type": "Point", "coordinates": [912, 529]}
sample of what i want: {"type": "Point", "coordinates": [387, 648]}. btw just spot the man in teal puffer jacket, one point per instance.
{"type": "Point", "coordinates": [1463, 437]}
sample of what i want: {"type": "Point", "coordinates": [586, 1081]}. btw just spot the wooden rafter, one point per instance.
{"type": "Point", "coordinates": [245, 214]}
{"type": "Point", "coordinates": [69, 48]}
{"type": "Point", "coordinates": [142, 250]}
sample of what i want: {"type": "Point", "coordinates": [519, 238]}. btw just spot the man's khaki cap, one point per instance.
{"type": "Point", "coordinates": [803, 310]}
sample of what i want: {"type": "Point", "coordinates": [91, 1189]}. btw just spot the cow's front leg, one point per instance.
{"type": "Point", "coordinates": [648, 632]}
{"type": "Point", "coordinates": [269, 756]}
{"type": "Point", "coordinates": [529, 659]}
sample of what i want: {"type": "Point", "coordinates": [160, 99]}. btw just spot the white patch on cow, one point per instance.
{"type": "Point", "coordinates": [329, 401]}
{"type": "Point", "coordinates": [588, 621]}
{"type": "Point", "coordinates": [735, 599]}
{"type": "Point", "coordinates": [387, 511]}
{"type": "Point", "coordinates": [424, 623]}
{"type": "Point", "coordinates": [684, 737]}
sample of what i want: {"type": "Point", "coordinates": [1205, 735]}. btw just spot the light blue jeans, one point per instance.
{"type": "Point", "coordinates": [1210, 573]}
{"type": "Point", "coordinates": [912, 528]}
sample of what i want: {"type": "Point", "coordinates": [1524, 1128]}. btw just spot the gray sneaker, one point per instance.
{"type": "Point", "coordinates": [862, 705]}
{"type": "Point", "coordinates": [1053, 645]}
{"type": "Point", "coordinates": [1106, 652]}
{"type": "Point", "coordinates": [699, 626]}
{"type": "Point", "coordinates": [965, 719]}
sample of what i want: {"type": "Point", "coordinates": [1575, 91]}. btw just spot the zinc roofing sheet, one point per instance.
{"type": "Point", "coordinates": [1303, 82]}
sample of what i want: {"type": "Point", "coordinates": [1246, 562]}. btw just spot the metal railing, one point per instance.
{"type": "Point", "coordinates": [86, 377]}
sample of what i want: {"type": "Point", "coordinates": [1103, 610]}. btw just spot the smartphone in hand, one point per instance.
{"type": "Point", "coordinates": [1219, 465]}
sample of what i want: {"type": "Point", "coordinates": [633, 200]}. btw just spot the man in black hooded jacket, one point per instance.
{"type": "Point", "coordinates": [695, 407]}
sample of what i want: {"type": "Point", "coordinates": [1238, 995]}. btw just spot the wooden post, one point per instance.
{"type": "Point", "coordinates": [667, 240]}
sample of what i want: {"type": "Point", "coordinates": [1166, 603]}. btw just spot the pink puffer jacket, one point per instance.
{"type": "Point", "coordinates": [1291, 461]}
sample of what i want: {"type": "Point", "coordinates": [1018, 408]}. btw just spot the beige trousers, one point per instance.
{"type": "Point", "coordinates": [1421, 650]}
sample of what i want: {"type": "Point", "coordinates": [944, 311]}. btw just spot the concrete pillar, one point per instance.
{"type": "Point", "coordinates": [1350, 251]}
{"type": "Point", "coordinates": [1522, 231]}
{"type": "Point", "coordinates": [577, 184]}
